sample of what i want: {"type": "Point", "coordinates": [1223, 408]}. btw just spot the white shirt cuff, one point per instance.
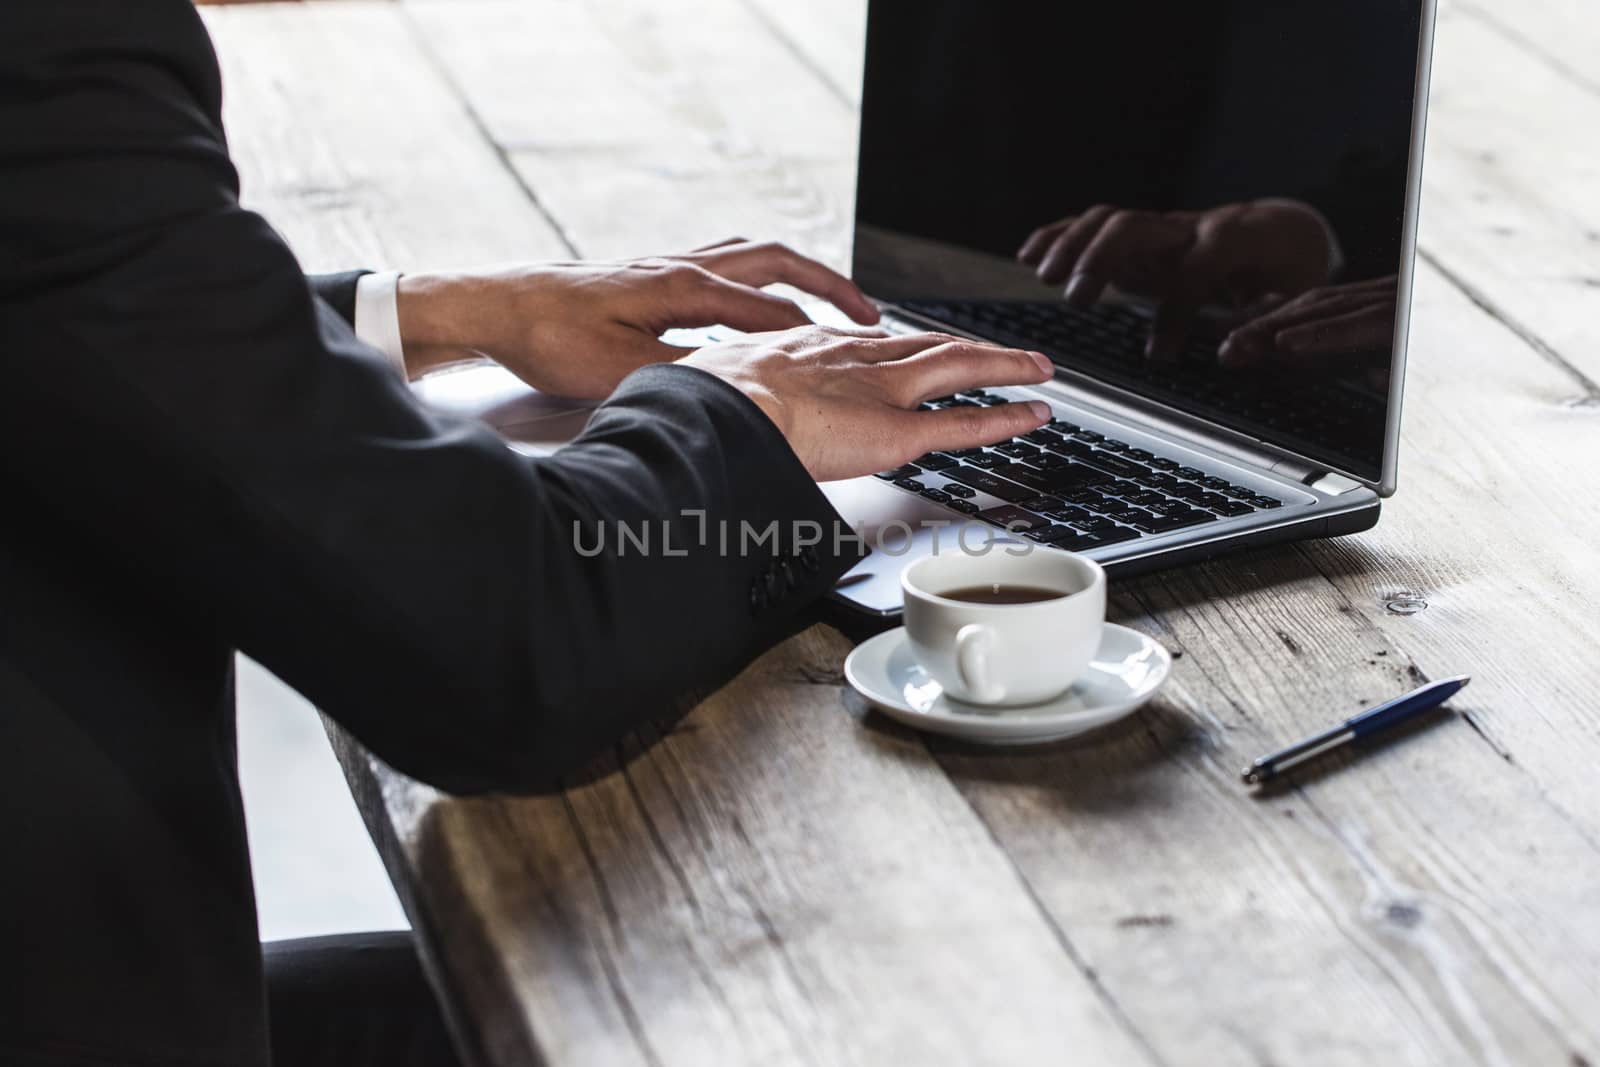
{"type": "Point", "coordinates": [378, 315]}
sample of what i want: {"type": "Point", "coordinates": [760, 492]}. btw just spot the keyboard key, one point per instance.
{"type": "Point", "coordinates": [1114, 536]}
{"type": "Point", "coordinates": [956, 489]}
{"type": "Point", "coordinates": [1111, 444]}
{"type": "Point", "coordinates": [1214, 501]}
{"type": "Point", "coordinates": [1162, 481]}
{"type": "Point", "coordinates": [1095, 523]}
{"type": "Point", "coordinates": [985, 482]}
{"type": "Point", "coordinates": [1114, 465]}
{"type": "Point", "coordinates": [1046, 461]}
{"type": "Point", "coordinates": [1190, 473]}
{"type": "Point", "coordinates": [936, 461]}
{"type": "Point", "coordinates": [1017, 450]}
{"type": "Point", "coordinates": [1266, 502]}
{"type": "Point", "coordinates": [1013, 518]}
{"type": "Point", "coordinates": [1216, 484]}
{"type": "Point", "coordinates": [1180, 520]}
{"type": "Point", "coordinates": [1139, 454]}
{"type": "Point", "coordinates": [1083, 496]}
{"type": "Point", "coordinates": [1089, 435]}
{"type": "Point", "coordinates": [988, 461]}
{"type": "Point", "coordinates": [1068, 514]}
{"type": "Point", "coordinates": [1161, 463]}
{"type": "Point", "coordinates": [910, 485]}
{"type": "Point", "coordinates": [1145, 500]}
{"type": "Point", "coordinates": [1055, 482]}
{"type": "Point", "coordinates": [937, 496]}
{"type": "Point", "coordinates": [1061, 537]}
{"type": "Point", "coordinates": [966, 507]}
{"type": "Point", "coordinates": [899, 472]}
{"type": "Point", "coordinates": [1235, 507]}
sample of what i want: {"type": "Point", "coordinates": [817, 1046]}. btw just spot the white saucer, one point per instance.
{"type": "Point", "coordinates": [1127, 670]}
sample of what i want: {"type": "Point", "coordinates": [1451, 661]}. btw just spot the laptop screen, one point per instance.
{"type": "Point", "coordinates": [1200, 203]}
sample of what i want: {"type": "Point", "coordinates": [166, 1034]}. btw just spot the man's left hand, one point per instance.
{"type": "Point", "coordinates": [578, 329]}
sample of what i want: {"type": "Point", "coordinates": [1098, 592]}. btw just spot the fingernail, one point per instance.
{"type": "Point", "coordinates": [1044, 362]}
{"type": "Point", "coordinates": [1041, 410]}
{"type": "Point", "coordinates": [1076, 286]}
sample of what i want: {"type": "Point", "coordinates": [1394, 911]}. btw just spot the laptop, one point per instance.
{"type": "Point", "coordinates": [983, 124]}
{"type": "Point", "coordinates": [1268, 148]}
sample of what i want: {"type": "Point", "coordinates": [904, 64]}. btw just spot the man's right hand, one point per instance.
{"type": "Point", "coordinates": [847, 399]}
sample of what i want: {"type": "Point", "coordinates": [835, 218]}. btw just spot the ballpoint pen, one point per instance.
{"type": "Point", "coordinates": [1369, 722]}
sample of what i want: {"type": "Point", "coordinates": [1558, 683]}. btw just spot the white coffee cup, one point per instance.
{"type": "Point", "coordinates": [1004, 654]}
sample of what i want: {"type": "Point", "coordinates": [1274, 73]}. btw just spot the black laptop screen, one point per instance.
{"type": "Point", "coordinates": [1199, 202]}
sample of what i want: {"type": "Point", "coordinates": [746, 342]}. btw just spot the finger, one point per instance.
{"type": "Point", "coordinates": [712, 300]}
{"type": "Point", "coordinates": [1040, 240]}
{"type": "Point", "coordinates": [1308, 307]}
{"type": "Point", "coordinates": [963, 427]}
{"type": "Point", "coordinates": [962, 365]}
{"type": "Point", "coordinates": [765, 264]}
{"type": "Point", "coordinates": [1341, 335]}
{"type": "Point", "coordinates": [1063, 255]}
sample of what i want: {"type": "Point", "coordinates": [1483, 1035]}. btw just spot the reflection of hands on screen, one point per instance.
{"type": "Point", "coordinates": [1235, 255]}
{"type": "Point", "coordinates": [1323, 328]}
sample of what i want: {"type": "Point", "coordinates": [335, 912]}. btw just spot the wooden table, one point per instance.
{"type": "Point", "coordinates": [782, 880]}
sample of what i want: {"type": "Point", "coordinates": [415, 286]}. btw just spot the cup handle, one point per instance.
{"type": "Point", "coordinates": [973, 642]}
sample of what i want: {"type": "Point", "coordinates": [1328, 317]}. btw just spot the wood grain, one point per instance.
{"type": "Point", "coordinates": [355, 148]}
{"type": "Point", "coordinates": [1511, 211]}
{"type": "Point", "coordinates": [655, 125]}
{"type": "Point", "coordinates": [785, 879]}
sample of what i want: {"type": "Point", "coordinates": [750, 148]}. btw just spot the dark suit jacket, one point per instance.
{"type": "Point", "coordinates": [197, 456]}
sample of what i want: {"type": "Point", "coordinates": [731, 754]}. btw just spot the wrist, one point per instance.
{"type": "Point", "coordinates": [436, 320]}
{"type": "Point", "coordinates": [430, 308]}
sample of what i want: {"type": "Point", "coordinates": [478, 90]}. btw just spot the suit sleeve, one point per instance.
{"type": "Point", "coordinates": [338, 291]}
{"type": "Point", "coordinates": [215, 433]}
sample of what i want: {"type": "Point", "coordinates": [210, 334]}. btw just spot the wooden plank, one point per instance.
{"type": "Point", "coordinates": [1511, 211]}
{"type": "Point", "coordinates": [354, 148]}
{"type": "Point", "coordinates": [770, 883]}
{"type": "Point", "coordinates": [650, 126]}
{"type": "Point", "coordinates": [828, 35]}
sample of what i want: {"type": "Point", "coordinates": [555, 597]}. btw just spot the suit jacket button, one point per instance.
{"type": "Point", "coordinates": [790, 579]}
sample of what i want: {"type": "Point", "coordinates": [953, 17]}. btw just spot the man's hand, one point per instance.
{"type": "Point", "coordinates": [1319, 329]}
{"type": "Point", "coordinates": [1234, 255]}
{"type": "Point", "coordinates": [847, 400]}
{"type": "Point", "coordinates": [577, 329]}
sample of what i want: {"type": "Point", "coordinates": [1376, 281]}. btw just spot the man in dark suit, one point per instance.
{"type": "Point", "coordinates": [200, 456]}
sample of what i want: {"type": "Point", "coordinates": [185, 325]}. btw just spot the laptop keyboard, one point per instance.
{"type": "Point", "coordinates": [1071, 487]}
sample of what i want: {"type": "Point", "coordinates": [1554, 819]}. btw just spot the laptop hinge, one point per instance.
{"type": "Point", "coordinates": [1331, 483]}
